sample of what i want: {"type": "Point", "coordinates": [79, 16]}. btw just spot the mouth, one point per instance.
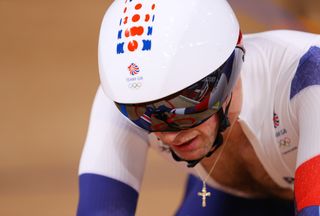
{"type": "Point", "coordinates": [187, 146]}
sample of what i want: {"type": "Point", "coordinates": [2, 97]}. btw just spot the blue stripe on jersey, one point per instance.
{"type": "Point", "coordinates": [100, 195]}
{"type": "Point", "coordinates": [310, 211]}
{"type": "Point", "coordinates": [223, 204]}
{"type": "Point", "coordinates": [308, 71]}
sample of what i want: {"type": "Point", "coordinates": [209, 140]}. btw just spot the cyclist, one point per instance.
{"type": "Point", "coordinates": [241, 111]}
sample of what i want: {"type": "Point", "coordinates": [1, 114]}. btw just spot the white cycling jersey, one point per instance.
{"type": "Point", "coordinates": [280, 114]}
{"type": "Point", "coordinates": [274, 113]}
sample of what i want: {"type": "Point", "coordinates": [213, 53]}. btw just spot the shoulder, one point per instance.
{"type": "Point", "coordinates": [106, 114]}
{"type": "Point", "coordinates": [278, 52]}
{"type": "Point", "coordinates": [280, 44]}
{"type": "Point", "coordinates": [283, 38]}
{"type": "Point", "coordinates": [308, 71]}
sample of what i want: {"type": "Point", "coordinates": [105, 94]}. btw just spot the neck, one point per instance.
{"type": "Point", "coordinates": [234, 133]}
{"type": "Point", "coordinates": [236, 103]}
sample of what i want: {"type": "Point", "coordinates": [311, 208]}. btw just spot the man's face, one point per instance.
{"type": "Point", "coordinates": [194, 143]}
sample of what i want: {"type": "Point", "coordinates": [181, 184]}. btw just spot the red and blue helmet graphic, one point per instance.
{"type": "Point", "coordinates": [136, 27]}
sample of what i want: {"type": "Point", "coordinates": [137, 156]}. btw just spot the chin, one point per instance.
{"type": "Point", "coordinates": [192, 155]}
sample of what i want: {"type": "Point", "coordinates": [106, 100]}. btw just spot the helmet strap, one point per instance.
{"type": "Point", "coordinates": [224, 124]}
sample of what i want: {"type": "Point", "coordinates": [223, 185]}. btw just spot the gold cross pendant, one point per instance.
{"type": "Point", "coordinates": [204, 194]}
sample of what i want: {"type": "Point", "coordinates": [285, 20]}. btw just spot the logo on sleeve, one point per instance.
{"type": "Point", "coordinates": [276, 121]}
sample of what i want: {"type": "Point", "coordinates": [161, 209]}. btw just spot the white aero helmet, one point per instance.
{"type": "Point", "coordinates": [169, 64]}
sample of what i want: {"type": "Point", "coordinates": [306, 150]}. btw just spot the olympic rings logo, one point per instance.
{"type": "Point", "coordinates": [135, 85]}
{"type": "Point", "coordinates": [285, 142]}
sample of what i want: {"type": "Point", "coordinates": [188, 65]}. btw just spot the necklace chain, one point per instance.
{"type": "Point", "coordinates": [204, 192]}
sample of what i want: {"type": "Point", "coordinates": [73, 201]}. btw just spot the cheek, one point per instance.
{"type": "Point", "coordinates": [210, 127]}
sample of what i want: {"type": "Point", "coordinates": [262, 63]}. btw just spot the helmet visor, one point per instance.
{"type": "Point", "coordinates": [185, 109]}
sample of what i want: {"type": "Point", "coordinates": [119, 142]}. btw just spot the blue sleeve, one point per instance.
{"type": "Point", "coordinates": [100, 196]}
{"type": "Point", "coordinates": [310, 211]}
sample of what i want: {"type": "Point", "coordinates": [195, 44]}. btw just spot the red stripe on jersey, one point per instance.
{"type": "Point", "coordinates": [307, 183]}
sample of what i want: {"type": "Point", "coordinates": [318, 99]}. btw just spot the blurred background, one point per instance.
{"type": "Point", "coordinates": [48, 78]}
